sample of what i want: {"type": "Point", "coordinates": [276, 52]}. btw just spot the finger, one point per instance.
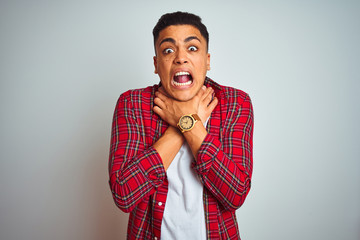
{"type": "Point", "coordinates": [208, 96]}
{"type": "Point", "coordinates": [160, 103]}
{"type": "Point", "coordinates": [209, 90]}
{"type": "Point", "coordinates": [161, 96]}
{"type": "Point", "coordinates": [213, 104]}
{"type": "Point", "coordinates": [202, 93]}
{"type": "Point", "coordinates": [158, 111]}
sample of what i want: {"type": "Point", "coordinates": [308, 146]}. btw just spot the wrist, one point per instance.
{"type": "Point", "coordinates": [195, 137]}
{"type": "Point", "coordinates": [187, 122]}
{"type": "Point", "coordinates": [172, 131]}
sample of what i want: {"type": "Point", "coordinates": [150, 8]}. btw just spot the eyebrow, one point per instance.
{"type": "Point", "coordinates": [171, 40]}
{"type": "Point", "coordinates": [188, 39]}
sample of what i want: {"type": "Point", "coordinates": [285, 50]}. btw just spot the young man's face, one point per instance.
{"type": "Point", "coordinates": [181, 61]}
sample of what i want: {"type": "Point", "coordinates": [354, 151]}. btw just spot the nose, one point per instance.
{"type": "Point", "coordinates": [181, 57]}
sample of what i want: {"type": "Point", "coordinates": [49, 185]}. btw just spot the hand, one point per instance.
{"type": "Point", "coordinates": [171, 110]}
{"type": "Point", "coordinates": [207, 103]}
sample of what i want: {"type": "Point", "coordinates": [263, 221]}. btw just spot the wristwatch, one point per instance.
{"type": "Point", "coordinates": [187, 122]}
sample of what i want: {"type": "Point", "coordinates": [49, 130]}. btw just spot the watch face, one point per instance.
{"type": "Point", "coordinates": [186, 122]}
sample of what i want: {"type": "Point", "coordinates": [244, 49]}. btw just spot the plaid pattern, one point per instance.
{"type": "Point", "coordinates": [224, 163]}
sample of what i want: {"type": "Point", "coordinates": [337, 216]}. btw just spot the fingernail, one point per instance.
{"type": "Point", "coordinates": [203, 87]}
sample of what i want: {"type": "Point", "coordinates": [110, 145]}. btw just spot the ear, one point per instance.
{"type": "Point", "coordinates": [208, 61]}
{"type": "Point", "coordinates": [155, 65]}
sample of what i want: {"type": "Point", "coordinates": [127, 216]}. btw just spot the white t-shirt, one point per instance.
{"type": "Point", "coordinates": [184, 216]}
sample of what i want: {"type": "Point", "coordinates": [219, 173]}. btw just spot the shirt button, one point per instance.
{"type": "Point", "coordinates": [155, 238]}
{"type": "Point", "coordinates": [160, 204]}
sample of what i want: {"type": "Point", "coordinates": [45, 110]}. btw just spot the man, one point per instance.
{"type": "Point", "coordinates": [181, 151]}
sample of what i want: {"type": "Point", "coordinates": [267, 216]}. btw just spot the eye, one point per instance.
{"type": "Point", "coordinates": [168, 50]}
{"type": "Point", "coordinates": [192, 49]}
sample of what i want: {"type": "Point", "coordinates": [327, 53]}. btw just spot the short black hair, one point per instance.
{"type": "Point", "coordinates": [180, 18]}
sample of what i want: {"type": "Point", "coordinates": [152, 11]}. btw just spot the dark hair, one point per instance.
{"type": "Point", "coordinates": [180, 18]}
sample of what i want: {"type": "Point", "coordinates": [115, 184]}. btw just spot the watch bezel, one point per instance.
{"type": "Point", "coordinates": [184, 125]}
{"type": "Point", "coordinates": [194, 118]}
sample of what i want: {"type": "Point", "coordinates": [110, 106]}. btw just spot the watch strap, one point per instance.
{"type": "Point", "coordinates": [196, 117]}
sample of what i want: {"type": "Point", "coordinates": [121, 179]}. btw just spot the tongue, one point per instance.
{"type": "Point", "coordinates": [182, 78]}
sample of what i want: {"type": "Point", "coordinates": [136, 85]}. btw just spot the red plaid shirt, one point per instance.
{"type": "Point", "coordinates": [224, 163]}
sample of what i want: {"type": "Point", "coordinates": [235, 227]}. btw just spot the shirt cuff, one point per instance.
{"type": "Point", "coordinates": [151, 165]}
{"type": "Point", "coordinates": [207, 153]}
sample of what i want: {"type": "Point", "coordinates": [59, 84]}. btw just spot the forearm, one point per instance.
{"type": "Point", "coordinates": [135, 168]}
{"type": "Point", "coordinates": [171, 110]}
{"type": "Point", "coordinates": [146, 169]}
{"type": "Point", "coordinates": [168, 145]}
{"type": "Point", "coordinates": [228, 181]}
{"type": "Point", "coordinates": [133, 178]}
{"type": "Point", "coordinates": [224, 161]}
{"type": "Point", "coordinates": [225, 177]}
{"type": "Point", "coordinates": [195, 137]}
{"type": "Point", "coordinates": [228, 178]}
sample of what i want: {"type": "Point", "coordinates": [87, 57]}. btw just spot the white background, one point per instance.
{"type": "Point", "coordinates": [63, 64]}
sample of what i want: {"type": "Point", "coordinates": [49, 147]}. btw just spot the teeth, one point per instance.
{"type": "Point", "coordinates": [181, 84]}
{"type": "Point", "coordinates": [182, 73]}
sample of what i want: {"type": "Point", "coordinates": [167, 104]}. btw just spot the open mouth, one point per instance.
{"type": "Point", "coordinates": [182, 79]}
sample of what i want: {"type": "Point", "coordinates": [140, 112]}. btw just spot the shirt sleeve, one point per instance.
{"type": "Point", "coordinates": [135, 172]}
{"type": "Point", "coordinates": [225, 166]}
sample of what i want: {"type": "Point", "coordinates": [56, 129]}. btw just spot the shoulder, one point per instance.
{"type": "Point", "coordinates": [140, 95]}
{"type": "Point", "coordinates": [228, 95]}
